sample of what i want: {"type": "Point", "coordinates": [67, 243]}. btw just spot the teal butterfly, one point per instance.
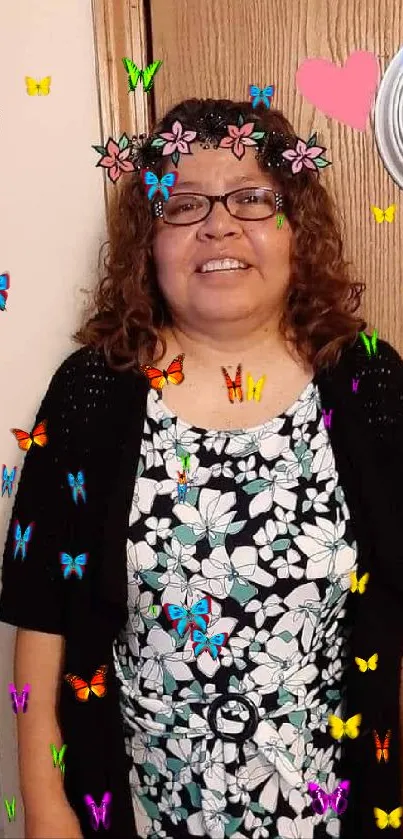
{"type": "Point", "coordinates": [258, 94]}
{"type": "Point", "coordinates": [77, 485]}
{"type": "Point", "coordinates": [73, 566]}
{"type": "Point", "coordinates": [370, 345]}
{"type": "Point", "coordinates": [155, 185]}
{"type": "Point", "coordinates": [21, 540]}
{"type": "Point", "coordinates": [147, 75]}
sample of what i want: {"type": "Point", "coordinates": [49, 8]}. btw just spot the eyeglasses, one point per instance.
{"type": "Point", "coordinates": [249, 204]}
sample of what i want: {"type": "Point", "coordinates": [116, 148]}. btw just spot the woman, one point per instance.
{"type": "Point", "coordinates": [209, 608]}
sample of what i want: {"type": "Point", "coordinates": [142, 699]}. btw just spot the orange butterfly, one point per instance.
{"type": "Point", "coordinates": [83, 689]}
{"type": "Point", "coordinates": [159, 378]}
{"type": "Point", "coordinates": [26, 440]}
{"type": "Point", "coordinates": [234, 387]}
{"type": "Point", "coordinates": [382, 751]}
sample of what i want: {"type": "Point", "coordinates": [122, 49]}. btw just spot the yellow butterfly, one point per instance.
{"type": "Point", "coordinates": [384, 215]}
{"type": "Point", "coordinates": [364, 665]}
{"type": "Point", "coordinates": [358, 585]}
{"type": "Point", "coordinates": [41, 88]}
{"type": "Point", "coordinates": [338, 728]}
{"type": "Point", "coordinates": [254, 389]}
{"type": "Point", "coordinates": [392, 819]}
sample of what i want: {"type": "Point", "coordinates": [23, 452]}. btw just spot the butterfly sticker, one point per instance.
{"type": "Point", "coordinates": [135, 74]}
{"type": "Point", "coordinates": [350, 728]}
{"type": "Point", "coordinates": [280, 218]}
{"type": "Point", "coordinates": [234, 387]}
{"type": "Point", "coordinates": [19, 700]}
{"type": "Point", "coordinates": [336, 800]}
{"type": "Point", "coordinates": [384, 215]}
{"type": "Point", "coordinates": [258, 94]}
{"type": "Point", "coordinates": [185, 460]}
{"type": "Point", "coordinates": [159, 378]}
{"type": "Point", "coordinates": [58, 756]}
{"type": "Point", "coordinates": [182, 485]}
{"type": "Point", "coordinates": [355, 385]}
{"type": "Point", "coordinates": [77, 486]}
{"type": "Point", "coordinates": [4, 285]}
{"type": "Point", "coordinates": [371, 347]}
{"type": "Point", "coordinates": [41, 88]}
{"type": "Point", "coordinates": [327, 418]}
{"type": "Point", "coordinates": [10, 808]}
{"type": "Point", "coordinates": [73, 566]}
{"type": "Point", "coordinates": [101, 813]}
{"type": "Point", "coordinates": [8, 480]}
{"type": "Point", "coordinates": [25, 440]}
{"type": "Point", "coordinates": [382, 749]}
{"type": "Point", "coordinates": [201, 643]}
{"type": "Point", "coordinates": [384, 819]}
{"type": "Point", "coordinates": [358, 585]}
{"type": "Point", "coordinates": [83, 689]}
{"type": "Point", "coordinates": [155, 185]}
{"type": "Point", "coordinates": [21, 541]}
{"type": "Point", "coordinates": [183, 619]}
{"type": "Point", "coordinates": [365, 665]}
{"type": "Point", "coordinates": [254, 389]}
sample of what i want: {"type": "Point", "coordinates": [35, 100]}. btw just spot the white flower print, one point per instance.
{"type": "Point", "coordinates": [160, 655]}
{"type": "Point", "coordinates": [287, 567]}
{"type": "Point", "coordinates": [328, 555]}
{"type": "Point", "coordinates": [283, 667]}
{"type": "Point", "coordinates": [141, 610]}
{"type": "Point", "coordinates": [143, 498]}
{"type": "Point", "coordinates": [295, 828]}
{"type": "Point", "coordinates": [232, 576]}
{"type": "Point", "coordinates": [212, 818]}
{"type": "Point", "coordinates": [225, 469]}
{"type": "Point", "coordinates": [158, 529]}
{"type": "Point", "coordinates": [140, 557]}
{"type": "Point", "coordinates": [304, 610]}
{"type": "Point", "coordinates": [269, 608]}
{"type": "Point", "coordinates": [276, 492]}
{"type": "Point", "coordinates": [213, 519]}
{"type": "Point", "coordinates": [215, 440]}
{"type": "Point", "coordinates": [246, 470]}
{"type": "Point", "coordinates": [170, 804]}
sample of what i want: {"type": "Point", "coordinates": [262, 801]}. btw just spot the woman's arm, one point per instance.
{"type": "Point", "coordinates": [48, 814]}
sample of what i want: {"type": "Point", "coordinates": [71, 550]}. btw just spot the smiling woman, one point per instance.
{"type": "Point", "coordinates": [241, 598]}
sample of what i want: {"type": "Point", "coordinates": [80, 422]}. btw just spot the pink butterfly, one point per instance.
{"type": "Point", "coordinates": [101, 813]}
{"type": "Point", "coordinates": [19, 700]}
{"type": "Point", "coordinates": [337, 799]}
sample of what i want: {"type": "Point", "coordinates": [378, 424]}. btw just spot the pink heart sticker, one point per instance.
{"type": "Point", "coordinates": [344, 93]}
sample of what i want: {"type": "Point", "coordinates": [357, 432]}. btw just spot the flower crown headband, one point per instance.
{"type": "Point", "coordinates": [275, 149]}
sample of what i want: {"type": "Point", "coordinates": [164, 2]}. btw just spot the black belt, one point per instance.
{"type": "Point", "coordinates": [250, 725]}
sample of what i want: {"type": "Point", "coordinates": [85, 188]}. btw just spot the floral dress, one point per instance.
{"type": "Point", "coordinates": [239, 554]}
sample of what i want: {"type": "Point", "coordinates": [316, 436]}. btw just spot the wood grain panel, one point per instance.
{"type": "Point", "coordinates": [216, 48]}
{"type": "Point", "coordinates": [120, 31]}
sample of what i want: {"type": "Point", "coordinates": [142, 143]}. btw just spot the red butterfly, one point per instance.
{"type": "Point", "coordinates": [159, 378]}
{"type": "Point", "coordinates": [26, 440]}
{"type": "Point", "coordinates": [234, 387]}
{"type": "Point", "coordinates": [382, 751]}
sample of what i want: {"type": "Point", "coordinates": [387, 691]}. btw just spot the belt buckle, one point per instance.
{"type": "Point", "coordinates": [250, 725]}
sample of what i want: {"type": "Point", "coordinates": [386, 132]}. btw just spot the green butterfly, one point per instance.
{"type": "Point", "coordinates": [185, 458]}
{"type": "Point", "coordinates": [147, 75]}
{"type": "Point", "coordinates": [370, 345]}
{"type": "Point", "coordinates": [58, 756]}
{"type": "Point", "coordinates": [10, 807]}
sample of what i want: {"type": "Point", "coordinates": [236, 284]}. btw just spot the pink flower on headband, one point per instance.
{"type": "Point", "coordinates": [239, 137]}
{"type": "Point", "coordinates": [115, 157]}
{"type": "Point", "coordinates": [306, 154]}
{"type": "Point", "coordinates": [175, 142]}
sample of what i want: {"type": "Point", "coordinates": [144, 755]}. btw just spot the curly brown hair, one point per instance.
{"type": "Point", "coordinates": [128, 310]}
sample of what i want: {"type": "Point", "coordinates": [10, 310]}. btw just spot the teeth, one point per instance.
{"type": "Point", "coordinates": [222, 265]}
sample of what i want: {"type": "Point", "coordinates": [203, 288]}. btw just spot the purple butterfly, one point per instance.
{"type": "Point", "coordinates": [101, 813]}
{"type": "Point", "coordinates": [19, 700]}
{"type": "Point", "coordinates": [197, 616]}
{"type": "Point", "coordinates": [327, 418]}
{"type": "Point", "coordinates": [337, 799]}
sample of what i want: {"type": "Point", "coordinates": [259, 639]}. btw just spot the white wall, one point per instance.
{"type": "Point", "coordinates": [52, 221]}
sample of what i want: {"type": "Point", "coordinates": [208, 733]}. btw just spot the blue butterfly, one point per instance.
{"type": "Point", "coordinates": [155, 185]}
{"type": "Point", "coordinates": [4, 285]}
{"type": "Point", "coordinates": [21, 541]}
{"type": "Point", "coordinates": [182, 618]}
{"type": "Point", "coordinates": [258, 94]}
{"type": "Point", "coordinates": [71, 565]}
{"type": "Point", "coordinates": [8, 480]}
{"type": "Point", "coordinates": [77, 485]}
{"type": "Point", "coordinates": [211, 645]}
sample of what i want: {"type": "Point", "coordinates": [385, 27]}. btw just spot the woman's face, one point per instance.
{"type": "Point", "coordinates": [202, 300]}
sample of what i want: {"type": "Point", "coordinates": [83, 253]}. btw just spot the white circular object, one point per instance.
{"type": "Point", "coordinates": [389, 119]}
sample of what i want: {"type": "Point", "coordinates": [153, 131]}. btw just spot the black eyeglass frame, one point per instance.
{"type": "Point", "coordinates": [223, 199]}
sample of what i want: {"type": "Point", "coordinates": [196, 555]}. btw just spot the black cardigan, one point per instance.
{"type": "Point", "coordinates": [95, 421]}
